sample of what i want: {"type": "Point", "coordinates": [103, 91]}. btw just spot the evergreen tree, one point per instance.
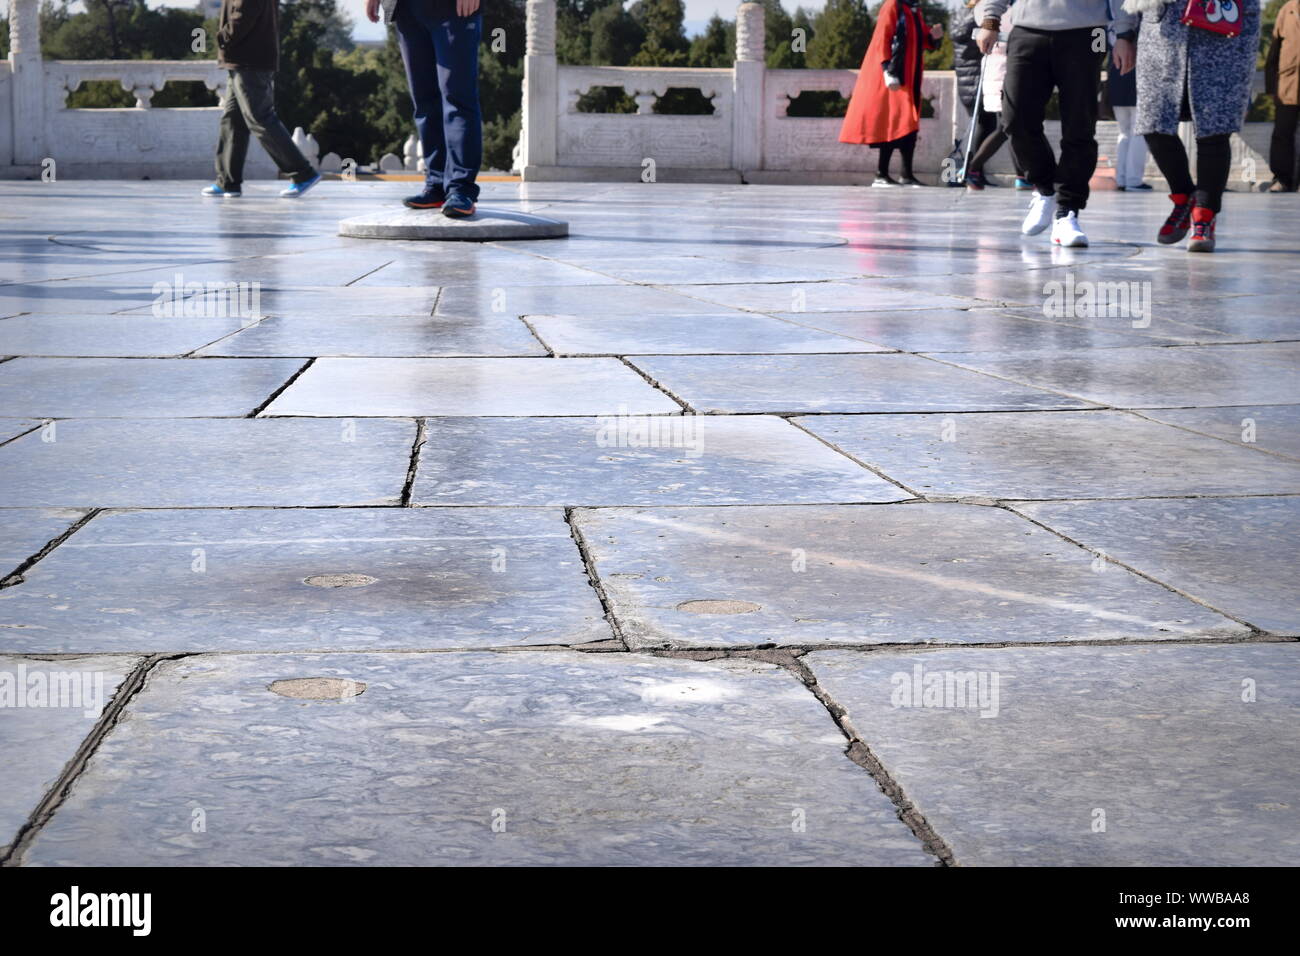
{"type": "Point", "coordinates": [841, 32]}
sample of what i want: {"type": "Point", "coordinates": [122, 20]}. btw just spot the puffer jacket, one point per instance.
{"type": "Point", "coordinates": [966, 55]}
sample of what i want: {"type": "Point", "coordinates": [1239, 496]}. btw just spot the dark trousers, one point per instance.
{"type": "Point", "coordinates": [1039, 61]}
{"type": "Point", "coordinates": [1282, 151]}
{"type": "Point", "coordinates": [989, 138]}
{"type": "Point", "coordinates": [249, 107]}
{"type": "Point", "coordinates": [1213, 164]}
{"type": "Point", "coordinates": [440, 51]}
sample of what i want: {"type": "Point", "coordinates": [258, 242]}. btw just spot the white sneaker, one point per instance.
{"type": "Point", "coordinates": [1041, 210]}
{"type": "Point", "coordinates": [1066, 231]}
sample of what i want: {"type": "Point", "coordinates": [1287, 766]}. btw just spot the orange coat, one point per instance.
{"type": "Point", "coordinates": [876, 113]}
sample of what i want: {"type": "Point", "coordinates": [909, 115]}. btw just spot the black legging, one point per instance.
{"type": "Point", "coordinates": [906, 146]}
{"type": "Point", "coordinates": [1213, 163]}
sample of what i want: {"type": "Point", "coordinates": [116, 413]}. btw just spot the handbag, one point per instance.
{"type": "Point", "coordinates": [1216, 16]}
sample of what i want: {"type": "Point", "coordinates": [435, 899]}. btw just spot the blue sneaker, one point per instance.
{"type": "Point", "coordinates": [431, 198]}
{"type": "Point", "coordinates": [458, 206]}
{"type": "Point", "coordinates": [218, 193]}
{"type": "Point", "coordinates": [297, 189]}
{"type": "Point", "coordinates": [1023, 183]}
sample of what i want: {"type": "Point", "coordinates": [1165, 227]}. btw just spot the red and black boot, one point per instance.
{"type": "Point", "coordinates": [1202, 230]}
{"type": "Point", "coordinates": [1179, 220]}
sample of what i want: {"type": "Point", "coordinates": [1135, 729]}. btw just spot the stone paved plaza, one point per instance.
{"type": "Point", "coordinates": [744, 525]}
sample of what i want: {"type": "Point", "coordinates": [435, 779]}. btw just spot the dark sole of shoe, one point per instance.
{"type": "Point", "coordinates": [421, 205]}
{"type": "Point", "coordinates": [1195, 246]}
{"type": "Point", "coordinates": [459, 213]}
{"type": "Point", "coordinates": [1172, 239]}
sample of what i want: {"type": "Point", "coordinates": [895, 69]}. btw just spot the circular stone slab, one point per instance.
{"type": "Point", "coordinates": [484, 226]}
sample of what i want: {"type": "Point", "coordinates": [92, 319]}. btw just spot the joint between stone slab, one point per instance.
{"type": "Point", "coordinates": [408, 487]}
{"type": "Point", "coordinates": [16, 576]}
{"type": "Point", "coordinates": [280, 391]}
{"type": "Point", "coordinates": [1132, 570]}
{"type": "Point", "coordinates": [658, 386]}
{"type": "Point", "coordinates": [858, 461]}
{"type": "Point", "coordinates": [62, 786]}
{"type": "Point", "coordinates": [593, 579]}
{"type": "Point", "coordinates": [550, 352]}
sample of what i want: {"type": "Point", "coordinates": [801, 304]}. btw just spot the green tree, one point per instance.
{"type": "Point", "coordinates": [665, 41]}
{"type": "Point", "coordinates": [841, 32]}
{"type": "Point", "coordinates": [716, 46]}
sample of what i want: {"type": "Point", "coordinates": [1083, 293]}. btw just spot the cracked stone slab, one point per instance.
{"type": "Point", "coordinates": [685, 335]}
{"type": "Point", "coordinates": [60, 702]}
{"type": "Point", "coordinates": [470, 386]}
{"type": "Point", "coordinates": [867, 574]}
{"type": "Point", "coordinates": [1200, 375]}
{"type": "Point", "coordinates": [231, 462]}
{"type": "Point", "coordinates": [738, 384]}
{"type": "Point", "coordinates": [24, 531]}
{"type": "Point", "coordinates": [546, 758]}
{"type": "Point", "coordinates": [109, 335]}
{"type": "Point", "coordinates": [304, 579]}
{"type": "Point", "coordinates": [635, 460]}
{"type": "Point", "coordinates": [140, 388]}
{"type": "Point", "coordinates": [1163, 746]}
{"type": "Point", "coordinates": [485, 225]}
{"type": "Point", "coordinates": [1272, 428]}
{"type": "Point", "coordinates": [963, 330]}
{"type": "Point", "coordinates": [1235, 554]}
{"type": "Point", "coordinates": [1090, 454]}
{"type": "Point", "coordinates": [815, 297]}
{"type": "Point", "coordinates": [382, 335]}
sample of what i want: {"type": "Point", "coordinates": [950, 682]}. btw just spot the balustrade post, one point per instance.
{"type": "Point", "coordinates": [747, 88]}
{"type": "Point", "coordinates": [541, 78]}
{"type": "Point", "coordinates": [27, 85]}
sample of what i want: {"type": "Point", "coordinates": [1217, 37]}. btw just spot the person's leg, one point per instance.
{"type": "Point", "coordinates": [882, 162]}
{"type": "Point", "coordinates": [232, 142]}
{"type": "Point", "coordinates": [1025, 92]}
{"type": "Point", "coordinates": [1171, 157]}
{"type": "Point", "coordinates": [1124, 146]}
{"type": "Point", "coordinates": [1281, 152]}
{"type": "Point", "coordinates": [1213, 164]}
{"type": "Point", "coordinates": [1076, 72]}
{"type": "Point", "coordinates": [456, 40]}
{"type": "Point", "coordinates": [986, 126]}
{"type": "Point", "coordinates": [988, 148]}
{"type": "Point", "coordinates": [256, 92]}
{"type": "Point", "coordinates": [415, 40]}
{"type": "Point", "coordinates": [906, 147]}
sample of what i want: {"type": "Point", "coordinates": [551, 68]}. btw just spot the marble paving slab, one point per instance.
{"type": "Point", "coordinates": [836, 383]}
{"type": "Point", "coordinates": [238, 462]}
{"type": "Point", "coordinates": [61, 700]}
{"type": "Point", "coordinates": [1155, 377]}
{"type": "Point", "coordinates": [686, 335]}
{"type": "Point", "coordinates": [470, 386]}
{"type": "Point", "coordinates": [594, 299]}
{"type": "Point", "coordinates": [1236, 554]}
{"type": "Point", "coordinates": [815, 297]}
{"type": "Point", "coordinates": [380, 336]}
{"type": "Point", "coordinates": [305, 579]}
{"type": "Point", "coordinates": [343, 302]}
{"type": "Point", "coordinates": [552, 758]}
{"type": "Point", "coordinates": [962, 330]}
{"type": "Point", "coordinates": [1171, 755]}
{"type": "Point", "coordinates": [13, 427]}
{"type": "Point", "coordinates": [1271, 428]}
{"type": "Point", "coordinates": [140, 388]}
{"type": "Point", "coordinates": [1090, 454]}
{"type": "Point", "coordinates": [485, 225]}
{"type": "Point", "coordinates": [635, 460]}
{"type": "Point", "coordinates": [867, 574]}
{"type": "Point", "coordinates": [109, 335]}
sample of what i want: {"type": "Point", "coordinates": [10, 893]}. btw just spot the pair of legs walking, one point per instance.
{"type": "Point", "coordinates": [249, 110]}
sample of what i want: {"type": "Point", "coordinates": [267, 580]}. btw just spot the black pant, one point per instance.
{"type": "Point", "coordinates": [1281, 151]}
{"type": "Point", "coordinates": [249, 106]}
{"type": "Point", "coordinates": [989, 137]}
{"type": "Point", "coordinates": [1213, 163]}
{"type": "Point", "coordinates": [906, 146]}
{"type": "Point", "coordinates": [1039, 61]}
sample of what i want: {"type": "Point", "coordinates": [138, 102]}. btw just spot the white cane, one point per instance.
{"type": "Point", "coordinates": [974, 115]}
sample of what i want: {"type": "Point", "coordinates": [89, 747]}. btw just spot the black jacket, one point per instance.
{"type": "Point", "coordinates": [248, 34]}
{"type": "Point", "coordinates": [966, 56]}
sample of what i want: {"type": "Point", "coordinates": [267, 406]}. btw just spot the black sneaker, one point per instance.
{"type": "Point", "coordinates": [882, 181]}
{"type": "Point", "coordinates": [432, 198]}
{"type": "Point", "coordinates": [909, 181]}
{"type": "Point", "coordinates": [458, 206]}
